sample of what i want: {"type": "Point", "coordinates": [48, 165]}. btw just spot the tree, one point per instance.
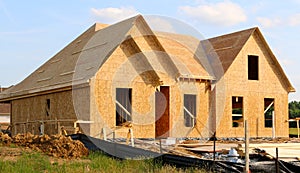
{"type": "Point", "coordinates": [294, 109]}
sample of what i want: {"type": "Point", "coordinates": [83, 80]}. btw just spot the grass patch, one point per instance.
{"type": "Point", "coordinates": [293, 131]}
{"type": "Point", "coordinates": [95, 162]}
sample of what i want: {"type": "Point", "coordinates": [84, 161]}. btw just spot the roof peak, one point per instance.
{"type": "Point", "coordinates": [251, 30]}
{"type": "Point", "coordinates": [99, 26]}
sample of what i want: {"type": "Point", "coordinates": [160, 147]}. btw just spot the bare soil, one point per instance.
{"type": "Point", "coordinates": [58, 146]}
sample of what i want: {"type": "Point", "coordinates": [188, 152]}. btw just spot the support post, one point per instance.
{"type": "Point", "coordinates": [276, 161]}
{"type": "Point", "coordinates": [246, 147]}
{"type": "Point", "coordinates": [273, 125]}
{"type": "Point", "coordinates": [131, 137]}
{"type": "Point", "coordinates": [114, 135]}
{"type": "Point", "coordinates": [58, 128]}
{"type": "Point", "coordinates": [104, 134]}
{"type": "Point", "coordinates": [214, 146]}
{"type": "Point", "coordinates": [42, 128]}
{"type": "Point", "coordinates": [297, 128]}
{"type": "Point", "coordinates": [160, 147]}
{"type": "Point", "coordinates": [26, 126]}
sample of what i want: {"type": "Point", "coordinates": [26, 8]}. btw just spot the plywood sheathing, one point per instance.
{"type": "Point", "coordinates": [272, 83]}
{"type": "Point", "coordinates": [27, 112]}
{"type": "Point", "coordinates": [120, 71]}
{"type": "Point", "coordinates": [76, 63]}
{"type": "Point", "coordinates": [229, 46]}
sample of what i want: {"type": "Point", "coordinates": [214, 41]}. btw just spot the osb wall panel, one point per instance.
{"type": "Point", "coordinates": [121, 71]}
{"type": "Point", "coordinates": [81, 103]}
{"type": "Point", "coordinates": [253, 92]}
{"type": "Point", "coordinates": [28, 111]}
{"type": "Point", "coordinates": [202, 112]}
{"type": "Point", "coordinates": [4, 108]}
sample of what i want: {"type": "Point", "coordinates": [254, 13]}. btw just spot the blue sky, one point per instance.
{"type": "Point", "coordinates": [31, 32]}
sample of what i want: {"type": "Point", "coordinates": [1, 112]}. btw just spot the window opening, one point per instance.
{"type": "Point", "coordinates": [48, 107]}
{"type": "Point", "coordinates": [123, 105]}
{"type": "Point", "coordinates": [237, 112]}
{"type": "Point", "coordinates": [189, 110]}
{"type": "Point", "coordinates": [252, 67]}
{"type": "Point", "coordinates": [268, 112]}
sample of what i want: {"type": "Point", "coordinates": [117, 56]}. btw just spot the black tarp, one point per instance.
{"type": "Point", "coordinates": [121, 151]}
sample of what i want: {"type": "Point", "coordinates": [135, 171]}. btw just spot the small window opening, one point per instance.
{"type": "Point", "coordinates": [123, 105]}
{"type": "Point", "coordinates": [252, 67]}
{"type": "Point", "coordinates": [237, 112]}
{"type": "Point", "coordinates": [189, 110]}
{"type": "Point", "coordinates": [268, 112]}
{"type": "Point", "coordinates": [47, 107]}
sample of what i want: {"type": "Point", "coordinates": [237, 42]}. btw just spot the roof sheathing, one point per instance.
{"type": "Point", "coordinates": [279, 68]}
{"type": "Point", "coordinates": [228, 47]}
{"type": "Point", "coordinates": [81, 54]}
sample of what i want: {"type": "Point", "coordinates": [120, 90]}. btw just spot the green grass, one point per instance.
{"type": "Point", "coordinates": [95, 162]}
{"type": "Point", "coordinates": [293, 131]}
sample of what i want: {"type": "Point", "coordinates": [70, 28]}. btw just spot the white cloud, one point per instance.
{"type": "Point", "coordinates": [294, 20]}
{"type": "Point", "coordinates": [224, 13]}
{"type": "Point", "coordinates": [111, 15]}
{"type": "Point", "coordinates": [268, 22]}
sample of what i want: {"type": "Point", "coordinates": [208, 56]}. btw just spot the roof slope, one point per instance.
{"type": "Point", "coordinates": [228, 46]}
{"type": "Point", "coordinates": [58, 72]}
{"type": "Point", "coordinates": [198, 65]}
{"type": "Point", "coordinates": [81, 59]}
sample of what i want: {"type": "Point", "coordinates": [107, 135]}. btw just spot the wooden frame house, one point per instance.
{"type": "Point", "coordinates": [4, 113]}
{"type": "Point", "coordinates": [116, 77]}
{"type": "Point", "coordinates": [252, 87]}
{"type": "Point", "coordinates": [125, 76]}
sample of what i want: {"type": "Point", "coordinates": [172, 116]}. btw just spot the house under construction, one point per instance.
{"type": "Point", "coordinates": [126, 76]}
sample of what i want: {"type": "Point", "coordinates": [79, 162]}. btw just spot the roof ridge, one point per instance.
{"type": "Point", "coordinates": [236, 32]}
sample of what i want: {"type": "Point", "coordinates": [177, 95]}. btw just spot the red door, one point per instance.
{"type": "Point", "coordinates": [162, 117]}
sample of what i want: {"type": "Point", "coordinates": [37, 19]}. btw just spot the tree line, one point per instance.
{"type": "Point", "coordinates": [294, 109]}
{"type": "Point", "coordinates": [294, 112]}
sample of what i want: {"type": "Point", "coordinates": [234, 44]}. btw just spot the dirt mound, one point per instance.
{"type": "Point", "coordinates": [55, 145]}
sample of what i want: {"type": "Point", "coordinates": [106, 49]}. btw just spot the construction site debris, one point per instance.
{"type": "Point", "coordinates": [54, 145]}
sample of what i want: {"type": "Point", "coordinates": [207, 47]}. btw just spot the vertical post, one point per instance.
{"type": "Point", "coordinates": [297, 127]}
{"type": "Point", "coordinates": [104, 134]}
{"type": "Point", "coordinates": [246, 147]}
{"type": "Point", "coordinates": [42, 128]}
{"type": "Point", "coordinates": [75, 126]}
{"type": "Point", "coordinates": [273, 125]}
{"type": "Point", "coordinates": [26, 126]}
{"type": "Point", "coordinates": [56, 125]}
{"type": "Point", "coordinates": [58, 128]}
{"type": "Point", "coordinates": [276, 162]}
{"type": "Point", "coordinates": [160, 147]}
{"type": "Point", "coordinates": [114, 135]}
{"type": "Point", "coordinates": [131, 137]}
{"type": "Point", "coordinates": [214, 146]}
